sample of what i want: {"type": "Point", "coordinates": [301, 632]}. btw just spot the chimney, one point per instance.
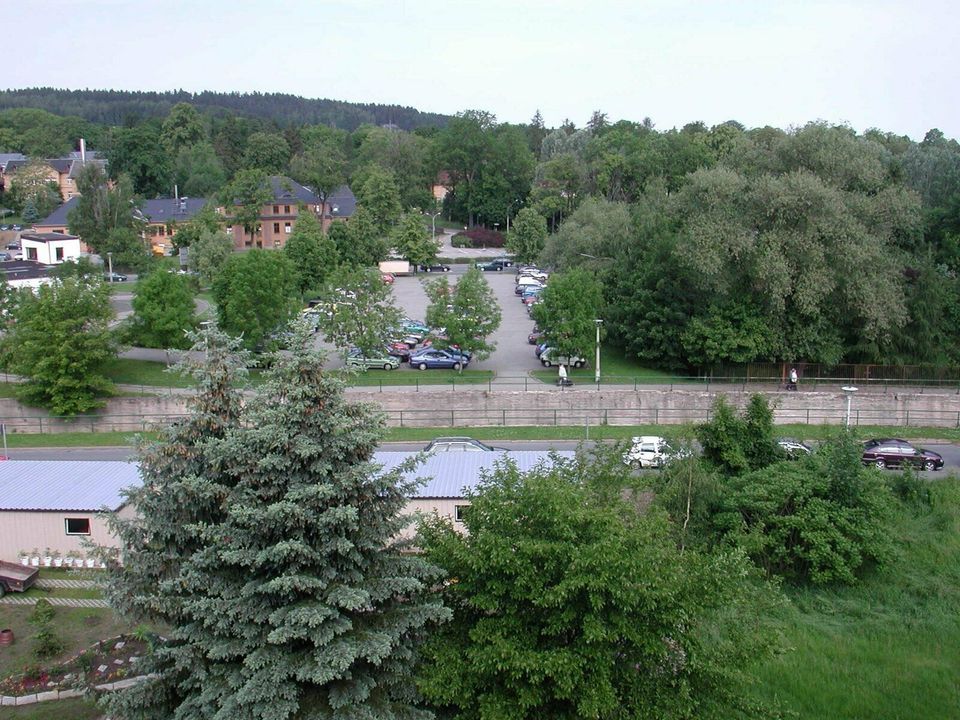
{"type": "Point", "coordinates": [83, 151]}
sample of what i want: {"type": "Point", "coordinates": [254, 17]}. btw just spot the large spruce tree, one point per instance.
{"type": "Point", "coordinates": [267, 540]}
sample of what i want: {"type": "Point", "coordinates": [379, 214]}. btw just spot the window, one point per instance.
{"type": "Point", "coordinates": [286, 209]}
{"type": "Point", "coordinates": [59, 254]}
{"type": "Point", "coordinates": [276, 209]}
{"type": "Point", "coordinates": [276, 228]}
{"type": "Point", "coordinates": [31, 253]}
{"type": "Point", "coordinates": [459, 511]}
{"type": "Point", "coordinates": [287, 228]}
{"type": "Point", "coordinates": [77, 526]}
{"type": "Point", "coordinates": [229, 229]}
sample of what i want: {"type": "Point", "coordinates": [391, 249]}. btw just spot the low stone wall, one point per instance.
{"type": "Point", "coordinates": [464, 407]}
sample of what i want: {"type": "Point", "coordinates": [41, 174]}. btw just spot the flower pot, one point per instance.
{"type": "Point", "coordinates": [35, 561]}
{"type": "Point", "coordinates": [91, 563]}
{"type": "Point", "coordinates": [47, 561]}
{"type": "Point", "coordinates": [25, 561]}
{"type": "Point", "coordinates": [6, 636]}
{"type": "Point", "coordinates": [58, 562]}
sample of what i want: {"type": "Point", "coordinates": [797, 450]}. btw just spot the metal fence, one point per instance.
{"type": "Point", "coordinates": [542, 417]}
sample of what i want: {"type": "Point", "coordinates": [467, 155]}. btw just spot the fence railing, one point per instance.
{"type": "Point", "coordinates": [512, 417]}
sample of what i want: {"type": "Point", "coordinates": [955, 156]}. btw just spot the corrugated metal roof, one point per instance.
{"type": "Point", "coordinates": [450, 473]}
{"type": "Point", "coordinates": [64, 484]}
{"type": "Point", "coordinates": [91, 485]}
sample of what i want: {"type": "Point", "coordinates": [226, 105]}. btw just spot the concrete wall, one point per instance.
{"type": "Point", "coordinates": [442, 407]}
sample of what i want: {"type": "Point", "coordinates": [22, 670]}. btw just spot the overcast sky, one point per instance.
{"type": "Point", "coordinates": [890, 64]}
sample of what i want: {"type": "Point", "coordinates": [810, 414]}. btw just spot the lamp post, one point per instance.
{"type": "Point", "coordinates": [110, 263]}
{"type": "Point", "coordinates": [433, 223]}
{"type": "Point", "coordinates": [598, 322]}
{"type": "Point", "coordinates": [849, 390]}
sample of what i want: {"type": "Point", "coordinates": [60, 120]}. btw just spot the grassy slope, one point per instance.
{"type": "Point", "coordinates": [888, 648]}
{"type": "Point", "coordinates": [60, 710]}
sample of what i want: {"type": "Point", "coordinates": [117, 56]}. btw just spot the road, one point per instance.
{"type": "Point", "coordinates": [951, 453]}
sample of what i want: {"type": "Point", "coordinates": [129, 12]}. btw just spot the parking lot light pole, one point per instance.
{"type": "Point", "coordinates": [599, 322]}
{"type": "Point", "coordinates": [433, 223]}
{"type": "Point", "coordinates": [110, 262]}
{"type": "Point", "coordinates": [849, 390]}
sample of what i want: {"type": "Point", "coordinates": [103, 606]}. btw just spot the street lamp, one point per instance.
{"type": "Point", "coordinates": [598, 322]}
{"type": "Point", "coordinates": [110, 262]}
{"type": "Point", "coordinates": [849, 390]}
{"type": "Point", "coordinates": [433, 222]}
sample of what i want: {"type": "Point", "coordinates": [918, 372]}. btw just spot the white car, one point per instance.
{"type": "Point", "coordinates": [548, 358]}
{"type": "Point", "coordinates": [649, 451]}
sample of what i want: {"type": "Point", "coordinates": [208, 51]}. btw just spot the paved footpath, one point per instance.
{"type": "Point", "coordinates": [59, 602]}
{"type": "Point", "coordinates": [49, 583]}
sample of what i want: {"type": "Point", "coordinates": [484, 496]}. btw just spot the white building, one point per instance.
{"type": "Point", "coordinates": [49, 248]}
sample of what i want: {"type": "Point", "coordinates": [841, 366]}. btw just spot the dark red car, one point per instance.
{"type": "Point", "coordinates": [893, 452]}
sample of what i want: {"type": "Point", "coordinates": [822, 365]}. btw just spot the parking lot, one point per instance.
{"type": "Point", "coordinates": [513, 356]}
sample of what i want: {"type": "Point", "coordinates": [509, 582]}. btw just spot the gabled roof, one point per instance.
{"type": "Point", "coordinates": [164, 210]}
{"type": "Point", "coordinates": [58, 218]}
{"type": "Point", "coordinates": [341, 203]}
{"type": "Point", "coordinates": [69, 485]}
{"type": "Point", "coordinates": [10, 157]}
{"type": "Point", "coordinates": [61, 165]}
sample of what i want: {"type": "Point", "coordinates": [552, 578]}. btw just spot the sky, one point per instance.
{"type": "Point", "coordinates": [888, 64]}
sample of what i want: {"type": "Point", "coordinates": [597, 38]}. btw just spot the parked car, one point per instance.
{"type": "Point", "coordinates": [454, 444]}
{"type": "Point", "coordinates": [398, 349]}
{"type": "Point", "coordinates": [415, 327]}
{"type": "Point", "coordinates": [17, 228]}
{"type": "Point", "coordinates": [538, 275]}
{"type": "Point", "coordinates": [548, 359]}
{"type": "Point", "coordinates": [4, 227]}
{"type": "Point", "coordinates": [794, 449]}
{"type": "Point", "coordinates": [649, 451]}
{"type": "Point", "coordinates": [495, 265]}
{"type": "Point", "coordinates": [114, 277]}
{"type": "Point", "coordinates": [524, 283]}
{"type": "Point", "coordinates": [388, 278]}
{"type": "Point", "coordinates": [5, 257]}
{"type": "Point", "coordinates": [13, 245]}
{"type": "Point", "coordinates": [357, 359]}
{"type": "Point", "coordinates": [893, 452]}
{"type": "Point", "coordinates": [534, 337]}
{"type": "Point", "coordinates": [436, 267]}
{"type": "Point", "coordinates": [443, 359]}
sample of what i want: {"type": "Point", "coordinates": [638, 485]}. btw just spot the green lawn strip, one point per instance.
{"type": "Point", "coordinates": [78, 628]}
{"type": "Point", "coordinates": [75, 709]}
{"type": "Point", "coordinates": [888, 647]}
{"type": "Point", "coordinates": [62, 573]}
{"type": "Point", "coordinates": [73, 593]}
{"type": "Point", "coordinates": [7, 390]}
{"type": "Point", "coordinates": [125, 371]}
{"type": "Point", "coordinates": [75, 439]}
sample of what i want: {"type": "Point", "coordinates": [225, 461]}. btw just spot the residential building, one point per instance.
{"type": "Point", "coordinates": [56, 222]}
{"type": "Point", "coordinates": [54, 504]}
{"type": "Point", "coordinates": [5, 160]}
{"type": "Point", "coordinates": [279, 216]}
{"type": "Point", "coordinates": [51, 248]}
{"type": "Point", "coordinates": [162, 217]}
{"type": "Point", "coordinates": [62, 171]}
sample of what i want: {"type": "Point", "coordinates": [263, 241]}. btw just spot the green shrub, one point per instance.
{"type": "Point", "coordinates": [912, 489]}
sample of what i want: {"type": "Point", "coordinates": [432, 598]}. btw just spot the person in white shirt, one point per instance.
{"type": "Point", "coordinates": [562, 380]}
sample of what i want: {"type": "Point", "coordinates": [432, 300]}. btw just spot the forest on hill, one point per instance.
{"type": "Point", "coordinates": [119, 107]}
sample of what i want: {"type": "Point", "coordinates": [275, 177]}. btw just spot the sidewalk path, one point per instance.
{"type": "Point", "coordinates": [51, 583]}
{"type": "Point", "coordinates": [59, 602]}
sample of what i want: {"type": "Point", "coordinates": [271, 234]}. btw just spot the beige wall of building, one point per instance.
{"type": "Point", "coordinates": [23, 530]}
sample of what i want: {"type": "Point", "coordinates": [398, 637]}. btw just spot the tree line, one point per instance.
{"type": "Point", "coordinates": [713, 245]}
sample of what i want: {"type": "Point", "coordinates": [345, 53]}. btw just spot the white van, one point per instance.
{"type": "Point", "coordinates": [525, 282]}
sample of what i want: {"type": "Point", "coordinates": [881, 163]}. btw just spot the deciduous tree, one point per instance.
{"type": "Point", "coordinates": [413, 242]}
{"type": "Point", "coordinates": [527, 237]}
{"type": "Point", "coordinates": [567, 312]}
{"type": "Point", "coordinates": [101, 208]}
{"type": "Point", "coordinates": [163, 311]}
{"type": "Point", "coordinates": [468, 312]}
{"type": "Point", "coordinates": [59, 342]}
{"type": "Point", "coordinates": [266, 152]}
{"type": "Point", "coordinates": [361, 311]}
{"type": "Point", "coordinates": [311, 252]}
{"type": "Point", "coordinates": [256, 296]}
{"type": "Point", "coordinates": [569, 603]}
{"type": "Point", "coordinates": [245, 197]}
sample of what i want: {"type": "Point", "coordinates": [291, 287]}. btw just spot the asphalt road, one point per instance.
{"type": "Point", "coordinates": [951, 453]}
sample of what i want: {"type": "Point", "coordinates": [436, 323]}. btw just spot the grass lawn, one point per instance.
{"type": "Point", "coordinates": [76, 709]}
{"type": "Point", "coordinates": [124, 371]}
{"type": "Point", "coordinates": [889, 647]}
{"type": "Point", "coordinates": [615, 369]}
{"type": "Point", "coordinates": [75, 593]}
{"type": "Point", "coordinates": [415, 377]}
